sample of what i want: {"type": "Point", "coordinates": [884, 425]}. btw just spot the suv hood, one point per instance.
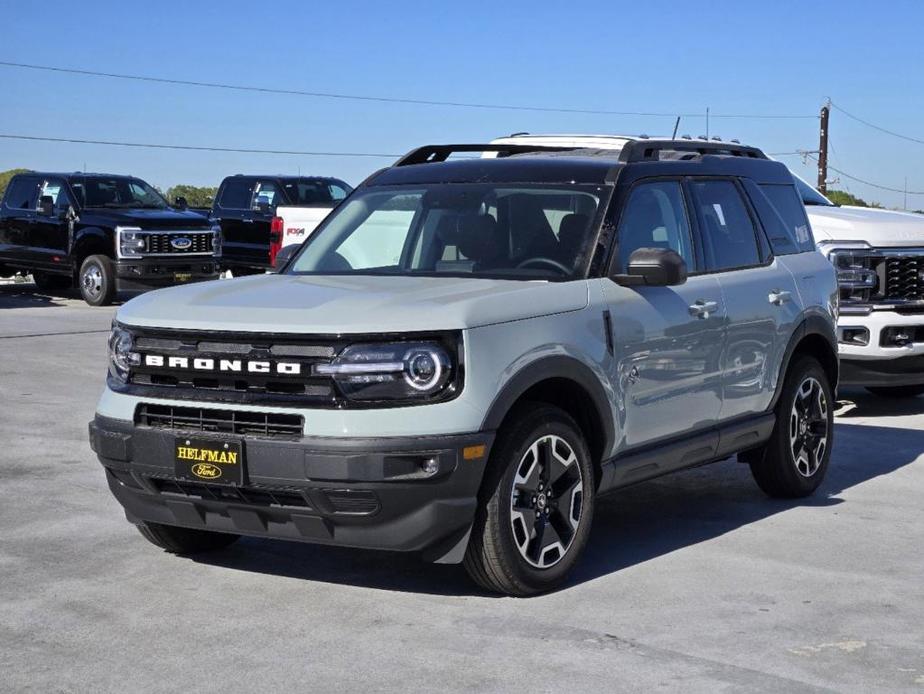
{"type": "Point", "coordinates": [875, 227]}
{"type": "Point", "coordinates": [146, 219]}
{"type": "Point", "coordinates": [358, 304]}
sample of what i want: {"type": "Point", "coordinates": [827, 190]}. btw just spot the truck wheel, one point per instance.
{"type": "Point", "coordinates": [97, 280]}
{"type": "Point", "coordinates": [51, 283]}
{"type": "Point", "coordinates": [795, 459]}
{"type": "Point", "coordinates": [535, 505]}
{"type": "Point", "coordinates": [896, 391]}
{"type": "Point", "coordinates": [184, 540]}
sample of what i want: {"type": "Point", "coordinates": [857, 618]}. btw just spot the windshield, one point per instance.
{"type": "Point", "coordinates": [479, 230]}
{"type": "Point", "coordinates": [99, 191]}
{"type": "Point", "coordinates": [809, 195]}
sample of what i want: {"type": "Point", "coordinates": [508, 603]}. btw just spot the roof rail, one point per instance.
{"type": "Point", "coordinates": [431, 154]}
{"type": "Point", "coordinates": [647, 150]}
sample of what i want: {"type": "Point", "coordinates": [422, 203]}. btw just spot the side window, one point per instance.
{"type": "Point", "coordinates": [57, 192]}
{"type": "Point", "coordinates": [654, 217]}
{"type": "Point", "coordinates": [788, 205]}
{"type": "Point", "coordinates": [337, 192]}
{"type": "Point", "coordinates": [269, 193]}
{"type": "Point", "coordinates": [20, 194]}
{"type": "Point", "coordinates": [236, 194]}
{"type": "Point", "coordinates": [729, 236]}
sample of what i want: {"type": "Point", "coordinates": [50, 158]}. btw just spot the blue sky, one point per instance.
{"type": "Point", "coordinates": [783, 58]}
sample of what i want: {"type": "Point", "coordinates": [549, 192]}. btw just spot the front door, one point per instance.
{"type": "Point", "coordinates": [667, 341]}
{"type": "Point", "coordinates": [49, 237]}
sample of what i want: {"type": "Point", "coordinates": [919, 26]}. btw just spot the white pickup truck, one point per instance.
{"type": "Point", "coordinates": [879, 256]}
{"type": "Point", "coordinates": [292, 225]}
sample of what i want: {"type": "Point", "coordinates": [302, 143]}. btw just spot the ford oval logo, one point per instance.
{"type": "Point", "coordinates": [181, 243]}
{"type": "Point", "coordinates": [206, 471]}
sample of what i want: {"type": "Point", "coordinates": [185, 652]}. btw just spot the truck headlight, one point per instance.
{"type": "Point", "coordinates": [855, 264]}
{"type": "Point", "coordinates": [122, 356]}
{"type": "Point", "coordinates": [131, 242]}
{"type": "Point", "coordinates": [393, 371]}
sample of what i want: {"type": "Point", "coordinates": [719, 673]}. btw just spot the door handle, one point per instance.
{"type": "Point", "coordinates": [702, 308]}
{"type": "Point", "coordinates": [778, 297]}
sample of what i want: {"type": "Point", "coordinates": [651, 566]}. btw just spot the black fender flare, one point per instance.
{"type": "Point", "coordinates": [814, 324]}
{"type": "Point", "coordinates": [543, 369]}
{"type": "Point", "coordinates": [93, 236]}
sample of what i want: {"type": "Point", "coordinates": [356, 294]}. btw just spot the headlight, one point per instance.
{"type": "Point", "coordinates": [855, 264]}
{"type": "Point", "coordinates": [131, 242]}
{"type": "Point", "coordinates": [216, 239]}
{"type": "Point", "coordinates": [392, 371]}
{"type": "Point", "coordinates": [122, 356]}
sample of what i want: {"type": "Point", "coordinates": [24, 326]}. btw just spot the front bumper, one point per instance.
{"type": "Point", "coordinates": [349, 492]}
{"type": "Point", "coordinates": [144, 273]}
{"type": "Point", "coordinates": [904, 371]}
{"type": "Point", "coordinates": [881, 361]}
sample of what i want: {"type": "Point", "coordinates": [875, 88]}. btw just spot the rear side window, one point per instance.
{"type": "Point", "coordinates": [789, 207]}
{"type": "Point", "coordinates": [729, 236]}
{"type": "Point", "coordinates": [56, 191]}
{"type": "Point", "coordinates": [20, 194]}
{"type": "Point", "coordinates": [236, 194]}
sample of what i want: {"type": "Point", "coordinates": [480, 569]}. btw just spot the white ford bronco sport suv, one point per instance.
{"type": "Point", "coordinates": [469, 350]}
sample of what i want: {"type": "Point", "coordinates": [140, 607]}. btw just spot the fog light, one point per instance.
{"type": "Point", "coordinates": [854, 336]}
{"type": "Point", "coordinates": [430, 466]}
{"type": "Point", "coordinates": [896, 337]}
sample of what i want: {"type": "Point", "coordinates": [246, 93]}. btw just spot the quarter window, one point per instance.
{"type": "Point", "coordinates": [654, 217]}
{"type": "Point", "coordinates": [789, 206]}
{"type": "Point", "coordinates": [729, 237]}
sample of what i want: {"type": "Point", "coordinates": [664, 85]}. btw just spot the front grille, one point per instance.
{"type": "Point", "coordinates": [218, 365]}
{"type": "Point", "coordinates": [903, 277]}
{"type": "Point", "coordinates": [256, 424]}
{"type": "Point", "coordinates": [251, 495]}
{"type": "Point", "coordinates": [159, 243]}
{"type": "Point", "coordinates": [353, 501]}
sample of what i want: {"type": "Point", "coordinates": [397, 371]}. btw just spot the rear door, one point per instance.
{"type": "Point", "coordinates": [232, 209]}
{"type": "Point", "coordinates": [49, 233]}
{"type": "Point", "coordinates": [668, 341]}
{"type": "Point", "coordinates": [18, 217]}
{"type": "Point", "coordinates": [759, 293]}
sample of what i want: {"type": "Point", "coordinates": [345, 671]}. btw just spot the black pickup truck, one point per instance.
{"type": "Point", "coordinates": [102, 232]}
{"type": "Point", "coordinates": [245, 207]}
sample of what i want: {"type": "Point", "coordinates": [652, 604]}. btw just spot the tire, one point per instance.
{"type": "Point", "coordinates": [51, 283]}
{"type": "Point", "coordinates": [794, 461]}
{"type": "Point", "coordinates": [184, 540]}
{"type": "Point", "coordinates": [513, 510]}
{"type": "Point", "coordinates": [96, 280]}
{"type": "Point", "coordinates": [896, 391]}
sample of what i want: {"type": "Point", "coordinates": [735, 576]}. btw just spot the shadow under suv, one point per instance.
{"type": "Point", "coordinates": [468, 351]}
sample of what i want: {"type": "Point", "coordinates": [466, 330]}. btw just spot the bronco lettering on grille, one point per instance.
{"type": "Point", "coordinates": [280, 368]}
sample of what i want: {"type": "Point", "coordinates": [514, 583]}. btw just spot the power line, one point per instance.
{"type": "Point", "coordinates": [877, 127]}
{"type": "Point", "coordinates": [384, 99]}
{"type": "Point", "coordinates": [865, 182]}
{"type": "Point", "coordinates": [240, 150]}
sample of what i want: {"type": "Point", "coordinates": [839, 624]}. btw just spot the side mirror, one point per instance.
{"type": "Point", "coordinates": [285, 255]}
{"type": "Point", "coordinates": [47, 206]}
{"type": "Point", "coordinates": [180, 203]}
{"type": "Point", "coordinates": [654, 267]}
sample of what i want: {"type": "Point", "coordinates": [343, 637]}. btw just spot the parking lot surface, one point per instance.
{"type": "Point", "coordinates": [694, 582]}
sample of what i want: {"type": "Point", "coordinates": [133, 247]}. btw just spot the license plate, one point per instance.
{"type": "Point", "coordinates": [182, 276]}
{"type": "Point", "coordinates": [209, 460]}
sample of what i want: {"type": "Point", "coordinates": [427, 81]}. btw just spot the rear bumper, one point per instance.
{"type": "Point", "coordinates": [901, 371]}
{"type": "Point", "coordinates": [145, 273]}
{"type": "Point", "coordinates": [349, 492]}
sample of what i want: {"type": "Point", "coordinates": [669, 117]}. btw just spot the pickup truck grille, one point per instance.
{"type": "Point", "coordinates": [234, 367]}
{"type": "Point", "coordinates": [159, 243]}
{"type": "Point", "coordinates": [904, 277]}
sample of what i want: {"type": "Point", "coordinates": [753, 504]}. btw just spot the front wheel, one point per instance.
{"type": "Point", "coordinates": [536, 504]}
{"type": "Point", "coordinates": [184, 540]}
{"type": "Point", "coordinates": [795, 459]}
{"type": "Point", "coordinates": [896, 391]}
{"type": "Point", "coordinates": [97, 280]}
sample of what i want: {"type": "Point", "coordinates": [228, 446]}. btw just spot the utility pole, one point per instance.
{"type": "Point", "coordinates": [823, 151]}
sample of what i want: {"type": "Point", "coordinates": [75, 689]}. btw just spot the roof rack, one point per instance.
{"type": "Point", "coordinates": [431, 154]}
{"type": "Point", "coordinates": [648, 150]}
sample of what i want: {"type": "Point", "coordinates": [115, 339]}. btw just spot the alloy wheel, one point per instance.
{"type": "Point", "coordinates": [808, 427]}
{"type": "Point", "coordinates": [546, 501]}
